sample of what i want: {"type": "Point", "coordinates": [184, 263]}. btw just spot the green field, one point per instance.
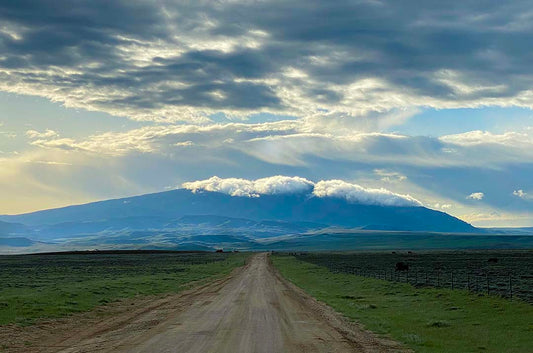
{"type": "Point", "coordinates": [47, 286]}
{"type": "Point", "coordinates": [425, 319]}
{"type": "Point", "coordinates": [507, 273]}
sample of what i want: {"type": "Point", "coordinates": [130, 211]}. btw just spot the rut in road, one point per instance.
{"type": "Point", "coordinates": [255, 310]}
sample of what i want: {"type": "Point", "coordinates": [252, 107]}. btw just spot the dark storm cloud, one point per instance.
{"type": "Point", "coordinates": [70, 32]}
{"type": "Point", "coordinates": [234, 55]}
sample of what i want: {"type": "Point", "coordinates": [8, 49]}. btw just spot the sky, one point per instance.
{"type": "Point", "coordinates": [431, 100]}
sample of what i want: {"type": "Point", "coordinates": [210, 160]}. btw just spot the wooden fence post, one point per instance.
{"type": "Point", "coordinates": [510, 286]}
{"type": "Point", "coordinates": [452, 280]}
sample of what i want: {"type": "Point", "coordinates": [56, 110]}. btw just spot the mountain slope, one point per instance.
{"type": "Point", "coordinates": [7, 228]}
{"type": "Point", "coordinates": [158, 210]}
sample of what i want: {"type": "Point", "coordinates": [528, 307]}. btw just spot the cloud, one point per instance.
{"type": "Point", "coordinates": [522, 194]}
{"type": "Point", "coordinates": [114, 164]}
{"type": "Point", "coordinates": [252, 188]}
{"type": "Point", "coordinates": [476, 196]}
{"type": "Point", "coordinates": [33, 134]}
{"type": "Point", "coordinates": [444, 206]}
{"type": "Point", "coordinates": [283, 185]}
{"type": "Point", "coordinates": [477, 137]}
{"type": "Point", "coordinates": [49, 162]}
{"type": "Point", "coordinates": [295, 143]}
{"type": "Point", "coordinates": [8, 134]}
{"type": "Point", "coordinates": [390, 177]}
{"type": "Point", "coordinates": [182, 61]}
{"type": "Point", "coordinates": [358, 194]}
{"type": "Point", "coordinates": [499, 219]}
{"type": "Point", "coordinates": [184, 144]}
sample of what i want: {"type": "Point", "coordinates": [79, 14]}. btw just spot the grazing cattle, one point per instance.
{"type": "Point", "coordinates": [402, 266]}
{"type": "Point", "coordinates": [220, 250]}
{"type": "Point", "coordinates": [493, 260]}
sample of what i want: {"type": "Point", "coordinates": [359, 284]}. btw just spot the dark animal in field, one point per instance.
{"type": "Point", "coordinates": [493, 260]}
{"type": "Point", "coordinates": [402, 266]}
{"type": "Point", "coordinates": [220, 250]}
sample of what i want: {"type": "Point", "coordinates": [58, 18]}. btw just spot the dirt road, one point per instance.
{"type": "Point", "coordinates": [254, 310]}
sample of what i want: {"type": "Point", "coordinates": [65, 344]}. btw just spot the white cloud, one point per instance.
{"type": "Point", "coordinates": [476, 196]}
{"type": "Point", "coordinates": [282, 185]}
{"type": "Point", "coordinates": [33, 134]}
{"type": "Point", "coordinates": [478, 137]}
{"type": "Point", "coordinates": [230, 186]}
{"type": "Point", "coordinates": [161, 138]}
{"type": "Point", "coordinates": [295, 142]}
{"type": "Point", "coordinates": [251, 188]}
{"type": "Point", "coordinates": [184, 144]}
{"type": "Point", "coordinates": [498, 218]}
{"type": "Point", "coordinates": [390, 177]}
{"type": "Point", "coordinates": [520, 193]}
{"type": "Point", "coordinates": [48, 162]}
{"type": "Point", "coordinates": [443, 206]}
{"type": "Point", "coordinates": [8, 134]}
{"type": "Point", "coordinates": [358, 194]}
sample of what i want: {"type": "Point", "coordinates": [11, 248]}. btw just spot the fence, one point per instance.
{"type": "Point", "coordinates": [487, 280]}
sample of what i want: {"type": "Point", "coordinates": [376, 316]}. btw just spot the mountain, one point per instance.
{"type": "Point", "coordinates": [16, 242]}
{"type": "Point", "coordinates": [10, 235]}
{"type": "Point", "coordinates": [206, 220]}
{"type": "Point", "coordinates": [7, 228]}
{"type": "Point", "coordinates": [159, 209]}
{"type": "Point", "coordinates": [511, 230]}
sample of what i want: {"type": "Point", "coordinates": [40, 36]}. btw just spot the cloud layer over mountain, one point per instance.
{"type": "Point", "coordinates": [358, 194]}
{"type": "Point", "coordinates": [289, 185]}
{"type": "Point", "coordinates": [252, 188]}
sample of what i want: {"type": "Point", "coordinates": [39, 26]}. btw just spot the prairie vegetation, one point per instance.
{"type": "Point", "coordinates": [507, 273]}
{"type": "Point", "coordinates": [427, 319]}
{"type": "Point", "coordinates": [55, 285]}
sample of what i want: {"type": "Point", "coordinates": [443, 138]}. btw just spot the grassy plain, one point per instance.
{"type": "Point", "coordinates": [48, 286]}
{"type": "Point", "coordinates": [429, 320]}
{"type": "Point", "coordinates": [507, 272]}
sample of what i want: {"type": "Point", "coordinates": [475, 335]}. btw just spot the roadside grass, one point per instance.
{"type": "Point", "coordinates": [428, 320]}
{"type": "Point", "coordinates": [51, 286]}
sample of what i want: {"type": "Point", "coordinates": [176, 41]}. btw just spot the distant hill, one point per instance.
{"type": "Point", "coordinates": [157, 210]}
{"type": "Point", "coordinates": [205, 220]}
{"type": "Point", "coordinates": [16, 242]}
{"type": "Point", "coordinates": [511, 230]}
{"type": "Point", "coordinates": [7, 228]}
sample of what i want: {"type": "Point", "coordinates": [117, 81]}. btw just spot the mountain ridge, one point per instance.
{"type": "Point", "coordinates": [168, 206]}
{"type": "Point", "coordinates": [205, 220]}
